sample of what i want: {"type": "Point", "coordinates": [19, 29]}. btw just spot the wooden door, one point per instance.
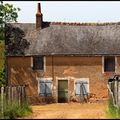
{"type": "Point", "coordinates": [62, 91]}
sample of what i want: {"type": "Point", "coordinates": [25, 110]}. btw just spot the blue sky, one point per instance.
{"type": "Point", "coordinates": [69, 11]}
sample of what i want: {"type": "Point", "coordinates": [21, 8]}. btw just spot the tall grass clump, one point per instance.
{"type": "Point", "coordinates": [113, 112]}
{"type": "Point", "coordinates": [13, 110]}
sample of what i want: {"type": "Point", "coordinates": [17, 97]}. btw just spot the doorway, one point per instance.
{"type": "Point", "coordinates": [62, 91]}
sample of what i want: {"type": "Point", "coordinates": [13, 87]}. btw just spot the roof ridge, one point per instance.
{"type": "Point", "coordinates": [82, 23]}
{"type": "Point", "coordinates": [21, 23]}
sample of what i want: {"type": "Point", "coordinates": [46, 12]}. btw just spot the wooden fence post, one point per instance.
{"type": "Point", "coordinates": [118, 93]}
{"type": "Point", "coordinates": [17, 91]}
{"type": "Point", "coordinates": [16, 94]}
{"type": "Point", "coordinates": [19, 95]}
{"type": "Point", "coordinates": [2, 100]}
{"type": "Point", "coordinates": [25, 98]}
{"type": "Point", "coordinates": [6, 95]}
{"type": "Point", "coordinates": [12, 95]}
{"type": "Point", "coordinates": [23, 95]}
{"type": "Point", "coordinates": [115, 92]}
{"type": "Point", "coordinates": [109, 94]}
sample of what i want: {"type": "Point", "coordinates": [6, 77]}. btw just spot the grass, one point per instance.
{"type": "Point", "coordinates": [112, 111]}
{"type": "Point", "coordinates": [14, 111]}
{"type": "Point", "coordinates": [25, 110]}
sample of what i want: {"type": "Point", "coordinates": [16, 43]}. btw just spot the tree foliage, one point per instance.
{"type": "Point", "coordinates": [15, 41]}
{"type": "Point", "coordinates": [8, 13]}
{"type": "Point", "coordinates": [2, 77]}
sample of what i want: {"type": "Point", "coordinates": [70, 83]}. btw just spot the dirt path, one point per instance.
{"type": "Point", "coordinates": [69, 110]}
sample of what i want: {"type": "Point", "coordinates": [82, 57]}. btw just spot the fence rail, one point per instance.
{"type": "Point", "coordinates": [11, 95]}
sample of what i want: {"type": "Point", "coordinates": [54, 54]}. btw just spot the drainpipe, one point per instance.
{"type": "Point", "coordinates": [53, 68]}
{"type": "Point", "coordinates": [53, 71]}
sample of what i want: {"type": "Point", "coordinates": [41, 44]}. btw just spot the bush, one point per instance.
{"type": "Point", "coordinates": [112, 111]}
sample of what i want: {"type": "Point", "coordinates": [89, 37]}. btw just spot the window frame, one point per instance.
{"type": "Point", "coordinates": [45, 79]}
{"type": "Point", "coordinates": [44, 63]}
{"type": "Point", "coordinates": [103, 64]}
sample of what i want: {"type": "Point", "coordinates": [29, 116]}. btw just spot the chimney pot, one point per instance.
{"type": "Point", "coordinates": [39, 19]}
{"type": "Point", "coordinates": [38, 10]}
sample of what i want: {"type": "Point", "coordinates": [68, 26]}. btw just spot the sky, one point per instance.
{"type": "Point", "coordinates": [69, 11]}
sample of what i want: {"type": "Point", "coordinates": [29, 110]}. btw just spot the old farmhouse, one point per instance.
{"type": "Point", "coordinates": [60, 61]}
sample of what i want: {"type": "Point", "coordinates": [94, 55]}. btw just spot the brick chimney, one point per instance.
{"type": "Point", "coordinates": [39, 17]}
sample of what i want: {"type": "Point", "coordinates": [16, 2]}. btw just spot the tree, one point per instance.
{"type": "Point", "coordinates": [8, 13]}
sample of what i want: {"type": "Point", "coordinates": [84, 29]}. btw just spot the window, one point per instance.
{"type": "Point", "coordinates": [45, 88]}
{"type": "Point", "coordinates": [109, 64]}
{"type": "Point", "coordinates": [38, 63]}
{"type": "Point", "coordinates": [81, 88]}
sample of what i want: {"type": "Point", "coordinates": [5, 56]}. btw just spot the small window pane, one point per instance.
{"type": "Point", "coordinates": [109, 64]}
{"type": "Point", "coordinates": [38, 63]}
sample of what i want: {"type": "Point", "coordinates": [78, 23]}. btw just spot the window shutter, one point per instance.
{"type": "Point", "coordinates": [77, 88]}
{"type": "Point", "coordinates": [84, 87]}
{"type": "Point", "coordinates": [48, 87]}
{"type": "Point", "coordinates": [42, 87]}
{"type": "Point", "coordinates": [81, 88]}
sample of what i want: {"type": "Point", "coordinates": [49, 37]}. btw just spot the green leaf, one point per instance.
{"type": "Point", "coordinates": [8, 12]}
